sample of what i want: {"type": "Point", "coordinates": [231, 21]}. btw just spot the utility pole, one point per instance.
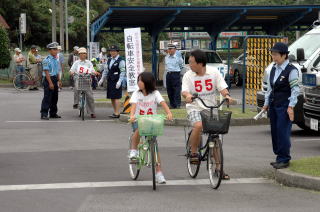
{"type": "Point", "coordinates": [88, 24]}
{"type": "Point", "coordinates": [67, 32]}
{"type": "Point", "coordinates": [54, 21]}
{"type": "Point", "coordinates": [61, 13]}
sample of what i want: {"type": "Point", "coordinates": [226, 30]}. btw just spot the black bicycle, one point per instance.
{"type": "Point", "coordinates": [214, 126]}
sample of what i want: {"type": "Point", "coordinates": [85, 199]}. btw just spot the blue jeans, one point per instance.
{"type": "Point", "coordinates": [20, 70]}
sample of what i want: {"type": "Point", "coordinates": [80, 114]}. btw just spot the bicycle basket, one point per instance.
{"type": "Point", "coordinates": [216, 123]}
{"type": "Point", "coordinates": [83, 82]}
{"type": "Point", "coordinates": [150, 125]}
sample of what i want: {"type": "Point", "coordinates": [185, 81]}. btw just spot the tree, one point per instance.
{"type": "Point", "coordinates": [4, 49]}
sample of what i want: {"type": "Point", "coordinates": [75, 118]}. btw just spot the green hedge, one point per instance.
{"type": "Point", "coordinates": [4, 49]}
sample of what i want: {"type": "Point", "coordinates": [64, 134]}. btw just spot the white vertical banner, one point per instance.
{"type": "Point", "coordinates": [134, 64]}
{"type": "Point", "coordinates": [23, 23]}
{"type": "Point", "coordinates": [94, 49]}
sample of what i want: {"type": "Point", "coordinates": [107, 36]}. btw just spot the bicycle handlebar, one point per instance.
{"type": "Point", "coordinates": [196, 96]}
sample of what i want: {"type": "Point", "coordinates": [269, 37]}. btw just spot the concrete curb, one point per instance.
{"type": "Point", "coordinates": [293, 179]}
{"type": "Point", "coordinates": [184, 122]}
{"type": "Point", "coordinates": [6, 86]}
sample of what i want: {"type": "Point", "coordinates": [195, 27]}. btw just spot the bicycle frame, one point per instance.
{"type": "Point", "coordinates": [145, 152]}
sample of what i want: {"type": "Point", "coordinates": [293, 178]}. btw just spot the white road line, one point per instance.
{"type": "Point", "coordinates": [307, 139]}
{"type": "Point", "coordinates": [65, 121]}
{"type": "Point", "coordinates": [126, 184]}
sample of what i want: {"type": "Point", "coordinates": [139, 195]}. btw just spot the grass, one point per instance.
{"type": "Point", "coordinates": [5, 81]}
{"type": "Point", "coordinates": [309, 166]}
{"type": "Point", "coordinates": [236, 112]}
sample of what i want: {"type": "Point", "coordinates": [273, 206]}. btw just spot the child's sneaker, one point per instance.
{"type": "Point", "coordinates": [133, 154]}
{"type": "Point", "coordinates": [160, 178]}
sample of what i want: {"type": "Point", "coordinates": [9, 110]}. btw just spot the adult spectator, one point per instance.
{"type": "Point", "coordinates": [33, 66]}
{"type": "Point", "coordinates": [73, 57]}
{"type": "Point", "coordinates": [173, 66]}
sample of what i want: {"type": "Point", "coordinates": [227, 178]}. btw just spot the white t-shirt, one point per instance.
{"type": "Point", "coordinates": [146, 105]}
{"type": "Point", "coordinates": [82, 67]}
{"type": "Point", "coordinates": [205, 86]}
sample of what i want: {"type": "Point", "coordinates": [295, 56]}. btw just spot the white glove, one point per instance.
{"type": "Point", "coordinates": [118, 85]}
{"type": "Point", "coordinates": [100, 82]}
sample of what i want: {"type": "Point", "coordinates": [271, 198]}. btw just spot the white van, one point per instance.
{"type": "Point", "coordinates": [310, 42]}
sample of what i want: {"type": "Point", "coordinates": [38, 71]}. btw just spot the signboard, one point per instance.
{"type": "Point", "coordinates": [134, 64]}
{"type": "Point", "coordinates": [204, 35]}
{"type": "Point", "coordinates": [23, 23]}
{"type": "Point", "coordinates": [94, 49]}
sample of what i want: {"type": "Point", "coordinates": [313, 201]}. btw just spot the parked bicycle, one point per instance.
{"type": "Point", "coordinates": [23, 81]}
{"type": "Point", "coordinates": [214, 126]}
{"type": "Point", "coordinates": [149, 127]}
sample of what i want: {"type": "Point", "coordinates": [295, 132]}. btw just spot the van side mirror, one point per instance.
{"type": "Point", "coordinates": [300, 54]}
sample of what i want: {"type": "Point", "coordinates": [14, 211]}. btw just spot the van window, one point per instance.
{"type": "Point", "coordinates": [309, 42]}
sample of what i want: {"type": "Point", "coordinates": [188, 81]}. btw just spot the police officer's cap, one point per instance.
{"type": "Point", "coordinates": [53, 45]}
{"type": "Point", "coordinates": [114, 48]}
{"type": "Point", "coordinates": [171, 46]}
{"type": "Point", "coordinates": [280, 48]}
{"type": "Point", "coordinates": [33, 47]}
{"type": "Point", "coordinates": [76, 48]}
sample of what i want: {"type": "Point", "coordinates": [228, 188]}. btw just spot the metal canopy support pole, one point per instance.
{"type": "Point", "coordinates": [154, 31]}
{"type": "Point", "coordinates": [154, 39]}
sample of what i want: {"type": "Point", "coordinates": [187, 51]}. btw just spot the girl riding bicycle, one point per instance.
{"type": "Point", "coordinates": [144, 102]}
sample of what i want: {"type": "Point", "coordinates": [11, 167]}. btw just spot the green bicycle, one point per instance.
{"type": "Point", "coordinates": [149, 127]}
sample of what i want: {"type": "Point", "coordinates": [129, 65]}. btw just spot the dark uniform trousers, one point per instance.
{"type": "Point", "coordinates": [174, 88]}
{"type": "Point", "coordinates": [50, 98]}
{"type": "Point", "coordinates": [280, 132]}
{"type": "Point", "coordinates": [279, 118]}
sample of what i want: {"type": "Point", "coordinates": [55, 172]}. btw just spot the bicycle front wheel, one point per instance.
{"type": "Point", "coordinates": [153, 161]}
{"type": "Point", "coordinates": [134, 168]}
{"type": "Point", "coordinates": [82, 105]}
{"type": "Point", "coordinates": [215, 162]}
{"type": "Point", "coordinates": [21, 82]}
{"type": "Point", "coordinates": [193, 169]}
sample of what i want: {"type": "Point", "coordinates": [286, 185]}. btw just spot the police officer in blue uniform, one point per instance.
{"type": "Point", "coordinates": [280, 99]}
{"type": "Point", "coordinates": [51, 83]}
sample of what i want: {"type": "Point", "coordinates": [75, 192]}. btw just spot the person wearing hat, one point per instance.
{"type": "Point", "coordinates": [115, 72]}
{"type": "Point", "coordinates": [280, 99]}
{"type": "Point", "coordinates": [173, 66]}
{"type": "Point", "coordinates": [80, 67]}
{"type": "Point", "coordinates": [51, 83]}
{"type": "Point", "coordinates": [73, 57]}
{"type": "Point", "coordinates": [33, 66]}
{"type": "Point", "coordinates": [18, 58]}
{"type": "Point", "coordinates": [61, 62]}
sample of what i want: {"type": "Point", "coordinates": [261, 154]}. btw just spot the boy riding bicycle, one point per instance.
{"type": "Point", "coordinates": [144, 102]}
{"type": "Point", "coordinates": [204, 81]}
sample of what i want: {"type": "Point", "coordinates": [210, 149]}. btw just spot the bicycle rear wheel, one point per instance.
{"type": "Point", "coordinates": [21, 82]}
{"type": "Point", "coordinates": [153, 161]}
{"type": "Point", "coordinates": [215, 162]}
{"type": "Point", "coordinates": [193, 169]}
{"type": "Point", "coordinates": [134, 168]}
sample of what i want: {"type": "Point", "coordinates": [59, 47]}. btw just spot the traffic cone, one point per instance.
{"type": "Point", "coordinates": [126, 104]}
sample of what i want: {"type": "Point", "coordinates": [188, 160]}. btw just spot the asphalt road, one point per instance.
{"type": "Point", "coordinates": [71, 165]}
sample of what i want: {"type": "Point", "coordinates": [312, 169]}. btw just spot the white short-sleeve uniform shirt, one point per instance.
{"type": "Point", "coordinates": [146, 105]}
{"type": "Point", "coordinates": [206, 87]}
